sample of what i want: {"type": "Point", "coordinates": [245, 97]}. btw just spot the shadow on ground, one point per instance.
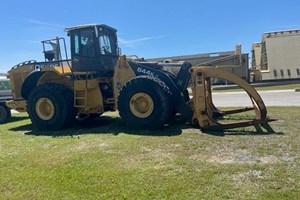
{"type": "Point", "coordinates": [115, 126]}
{"type": "Point", "coordinates": [241, 132]}
{"type": "Point", "coordinates": [15, 119]}
{"type": "Point", "coordinates": [101, 125]}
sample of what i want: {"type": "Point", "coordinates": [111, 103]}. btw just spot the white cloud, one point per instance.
{"type": "Point", "coordinates": [133, 43]}
{"type": "Point", "coordinates": [42, 23]}
{"type": "Point", "coordinates": [32, 41]}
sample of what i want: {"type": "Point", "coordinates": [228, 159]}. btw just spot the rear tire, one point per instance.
{"type": "Point", "coordinates": [69, 98]}
{"type": "Point", "coordinates": [145, 102]}
{"type": "Point", "coordinates": [51, 106]}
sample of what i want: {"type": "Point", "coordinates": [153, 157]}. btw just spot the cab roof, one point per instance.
{"type": "Point", "coordinates": [89, 25]}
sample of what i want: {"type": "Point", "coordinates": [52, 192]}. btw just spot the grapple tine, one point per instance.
{"type": "Point", "coordinates": [206, 113]}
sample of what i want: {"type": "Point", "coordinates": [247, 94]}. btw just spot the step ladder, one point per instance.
{"type": "Point", "coordinates": [80, 97]}
{"type": "Point", "coordinates": [81, 88]}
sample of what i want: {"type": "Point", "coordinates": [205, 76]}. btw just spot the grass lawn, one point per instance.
{"type": "Point", "coordinates": [104, 159]}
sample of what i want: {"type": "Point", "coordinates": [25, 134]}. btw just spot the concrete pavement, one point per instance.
{"type": "Point", "coordinates": [271, 98]}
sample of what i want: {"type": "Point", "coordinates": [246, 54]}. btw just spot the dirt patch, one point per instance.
{"type": "Point", "coordinates": [270, 159]}
{"type": "Point", "coordinates": [246, 177]}
{"type": "Point", "coordinates": [86, 146]}
{"type": "Point", "coordinates": [154, 157]}
{"type": "Point", "coordinates": [239, 156]}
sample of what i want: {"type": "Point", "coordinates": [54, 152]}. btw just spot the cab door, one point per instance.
{"type": "Point", "coordinates": [83, 50]}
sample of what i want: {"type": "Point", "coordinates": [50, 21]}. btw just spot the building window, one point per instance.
{"type": "Point", "coordinates": [275, 73]}
{"type": "Point", "coordinates": [264, 57]}
{"type": "Point", "coordinates": [298, 72]}
{"type": "Point", "coordinates": [289, 73]}
{"type": "Point", "coordinates": [281, 73]}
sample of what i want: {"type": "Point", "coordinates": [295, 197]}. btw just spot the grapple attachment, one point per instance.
{"type": "Point", "coordinates": [205, 112]}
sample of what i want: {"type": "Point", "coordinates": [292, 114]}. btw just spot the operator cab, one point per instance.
{"type": "Point", "coordinates": [94, 48]}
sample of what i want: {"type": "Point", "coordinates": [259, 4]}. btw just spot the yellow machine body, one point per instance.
{"type": "Point", "coordinates": [97, 79]}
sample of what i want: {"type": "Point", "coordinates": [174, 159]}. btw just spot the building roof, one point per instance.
{"type": "Point", "coordinates": [204, 55]}
{"type": "Point", "coordinates": [282, 33]}
{"type": "Point", "coordinates": [89, 25]}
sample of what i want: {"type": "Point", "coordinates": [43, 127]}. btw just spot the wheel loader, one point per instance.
{"type": "Point", "coordinates": [97, 79]}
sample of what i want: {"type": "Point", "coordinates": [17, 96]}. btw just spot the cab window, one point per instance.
{"type": "Point", "coordinates": [107, 44]}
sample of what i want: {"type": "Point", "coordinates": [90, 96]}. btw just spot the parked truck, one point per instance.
{"type": "Point", "coordinates": [5, 95]}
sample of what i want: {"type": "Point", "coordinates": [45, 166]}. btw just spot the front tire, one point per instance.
{"type": "Point", "coordinates": [51, 106]}
{"type": "Point", "coordinates": [145, 102]}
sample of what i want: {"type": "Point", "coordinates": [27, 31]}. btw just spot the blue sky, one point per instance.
{"type": "Point", "coordinates": [155, 28]}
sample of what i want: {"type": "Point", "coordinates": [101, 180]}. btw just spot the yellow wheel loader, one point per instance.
{"type": "Point", "coordinates": [97, 79]}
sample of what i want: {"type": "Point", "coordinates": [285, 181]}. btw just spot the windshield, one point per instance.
{"type": "Point", "coordinates": [107, 42]}
{"type": "Point", "coordinates": [4, 84]}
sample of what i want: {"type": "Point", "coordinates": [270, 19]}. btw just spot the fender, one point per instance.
{"type": "Point", "coordinates": [30, 83]}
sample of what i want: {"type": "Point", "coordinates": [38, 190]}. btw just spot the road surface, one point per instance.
{"type": "Point", "coordinates": [271, 98]}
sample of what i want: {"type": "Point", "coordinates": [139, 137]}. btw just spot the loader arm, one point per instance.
{"type": "Point", "coordinates": [206, 114]}
{"type": "Point", "coordinates": [125, 70]}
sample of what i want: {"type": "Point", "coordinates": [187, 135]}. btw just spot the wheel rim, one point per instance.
{"type": "Point", "coordinates": [141, 105]}
{"type": "Point", "coordinates": [45, 108]}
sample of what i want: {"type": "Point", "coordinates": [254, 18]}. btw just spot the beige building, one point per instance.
{"type": "Point", "coordinates": [233, 61]}
{"type": "Point", "coordinates": [277, 56]}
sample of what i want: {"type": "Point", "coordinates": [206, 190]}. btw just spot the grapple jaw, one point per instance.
{"type": "Point", "coordinates": [207, 115]}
